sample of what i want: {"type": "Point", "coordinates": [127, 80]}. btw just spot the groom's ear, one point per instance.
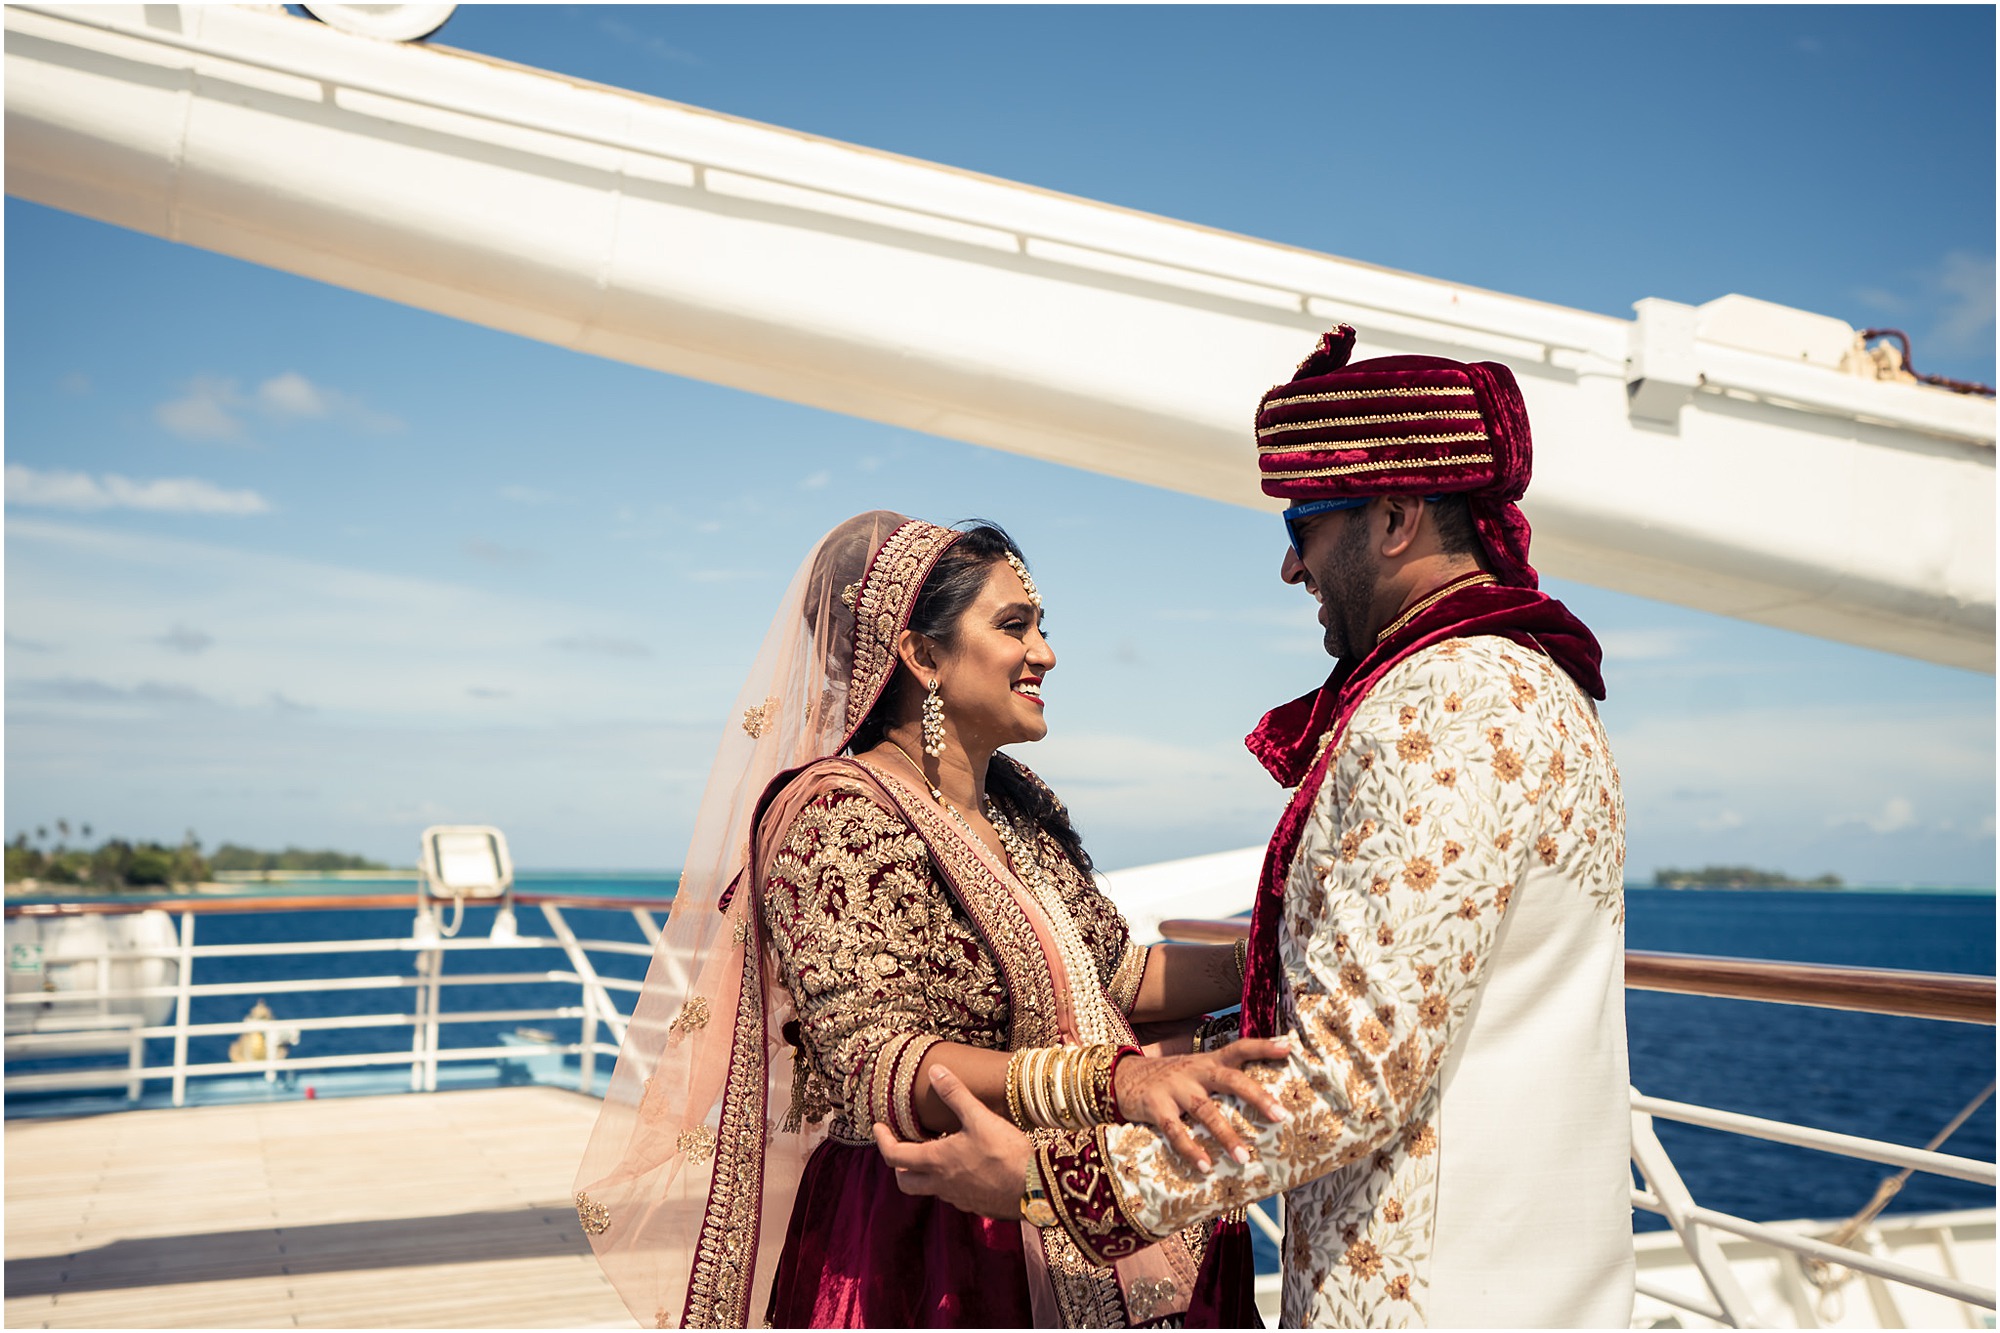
{"type": "Point", "coordinates": [918, 652]}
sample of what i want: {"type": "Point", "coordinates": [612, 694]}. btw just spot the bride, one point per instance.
{"type": "Point", "coordinates": [875, 890]}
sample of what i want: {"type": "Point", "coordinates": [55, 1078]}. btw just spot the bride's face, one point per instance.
{"type": "Point", "coordinates": [991, 676]}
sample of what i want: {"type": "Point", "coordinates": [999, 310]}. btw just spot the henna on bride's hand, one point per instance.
{"type": "Point", "coordinates": [1167, 1091]}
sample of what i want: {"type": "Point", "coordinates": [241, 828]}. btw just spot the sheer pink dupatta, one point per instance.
{"type": "Point", "coordinates": [687, 1184]}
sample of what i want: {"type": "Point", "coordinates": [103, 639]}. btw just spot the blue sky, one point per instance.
{"type": "Point", "coordinates": [286, 564]}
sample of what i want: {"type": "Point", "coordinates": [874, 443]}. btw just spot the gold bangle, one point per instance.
{"type": "Point", "coordinates": [1014, 1108]}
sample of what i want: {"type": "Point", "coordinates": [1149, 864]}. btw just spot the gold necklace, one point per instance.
{"type": "Point", "coordinates": [1458, 584]}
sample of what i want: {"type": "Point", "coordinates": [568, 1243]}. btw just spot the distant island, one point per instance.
{"type": "Point", "coordinates": [117, 863]}
{"type": "Point", "coordinates": [1738, 877]}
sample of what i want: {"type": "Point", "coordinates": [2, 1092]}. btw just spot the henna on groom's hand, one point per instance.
{"type": "Point", "coordinates": [980, 1168]}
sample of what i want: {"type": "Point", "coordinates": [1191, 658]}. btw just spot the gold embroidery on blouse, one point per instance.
{"type": "Point", "coordinates": [594, 1216]}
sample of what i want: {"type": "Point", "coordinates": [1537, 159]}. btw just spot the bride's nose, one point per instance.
{"type": "Point", "coordinates": [1040, 654]}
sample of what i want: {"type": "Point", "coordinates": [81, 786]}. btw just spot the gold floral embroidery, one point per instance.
{"type": "Point", "coordinates": [1545, 847]}
{"type": "Point", "coordinates": [698, 1144]}
{"type": "Point", "coordinates": [1414, 747]}
{"type": "Point", "coordinates": [757, 720]}
{"type": "Point", "coordinates": [1445, 777]}
{"type": "Point", "coordinates": [1433, 1009]}
{"type": "Point", "coordinates": [1506, 764]}
{"type": "Point", "coordinates": [593, 1216]}
{"type": "Point", "coordinates": [693, 1017]}
{"type": "Point", "coordinates": [1364, 1258]}
{"type": "Point", "coordinates": [847, 594]}
{"type": "Point", "coordinates": [1146, 1296]}
{"type": "Point", "coordinates": [1420, 874]}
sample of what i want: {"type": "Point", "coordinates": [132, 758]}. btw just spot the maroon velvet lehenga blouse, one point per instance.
{"type": "Point", "coordinates": [883, 962]}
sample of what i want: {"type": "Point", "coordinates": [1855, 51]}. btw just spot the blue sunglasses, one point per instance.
{"type": "Point", "coordinates": [1312, 508]}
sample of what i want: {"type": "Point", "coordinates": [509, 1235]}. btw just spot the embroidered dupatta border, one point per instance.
{"type": "Point", "coordinates": [724, 1268]}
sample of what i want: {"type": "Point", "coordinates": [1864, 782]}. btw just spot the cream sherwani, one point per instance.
{"type": "Point", "coordinates": [1457, 1152]}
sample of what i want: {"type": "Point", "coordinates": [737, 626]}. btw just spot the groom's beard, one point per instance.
{"type": "Point", "coordinates": [1347, 587]}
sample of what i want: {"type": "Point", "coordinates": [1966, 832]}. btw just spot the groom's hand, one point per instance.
{"type": "Point", "coordinates": [980, 1169]}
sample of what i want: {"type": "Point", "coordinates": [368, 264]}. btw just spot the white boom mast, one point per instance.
{"type": "Point", "coordinates": [1716, 456]}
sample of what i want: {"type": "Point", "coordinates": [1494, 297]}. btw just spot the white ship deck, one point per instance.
{"type": "Point", "coordinates": [448, 1210]}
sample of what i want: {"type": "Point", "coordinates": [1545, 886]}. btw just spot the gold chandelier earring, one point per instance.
{"type": "Point", "coordinates": [933, 720]}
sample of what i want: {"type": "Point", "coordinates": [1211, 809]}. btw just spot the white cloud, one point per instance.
{"type": "Point", "coordinates": [1720, 823]}
{"type": "Point", "coordinates": [216, 408]}
{"type": "Point", "coordinates": [29, 488]}
{"type": "Point", "coordinates": [1964, 283]}
{"type": "Point", "coordinates": [602, 645]}
{"type": "Point", "coordinates": [529, 495]}
{"type": "Point", "coordinates": [292, 395]}
{"type": "Point", "coordinates": [1645, 645]}
{"type": "Point", "coordinates": [355, 644]}
{"type": "Point", "coordinates": [818, 481]}
{"type": "Point", "coordinates": [207, 411]}
{"type": "Point", "coordinates": [183, 639]}
{"type": "Point", "coordinates": [493, 553]}
{"type": "Point", "coordinates": [1896, 815]}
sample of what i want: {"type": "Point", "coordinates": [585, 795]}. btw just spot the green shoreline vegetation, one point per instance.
{"type": "Point", "coordinates": [117, 863]}
{"type": "Point", "coordinates": [1738, 877]}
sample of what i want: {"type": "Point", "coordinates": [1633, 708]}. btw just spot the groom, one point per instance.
{"type": "Point", "coordinates": [1440, 919]}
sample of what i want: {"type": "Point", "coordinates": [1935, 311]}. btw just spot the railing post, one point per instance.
{"type": "Point", "coordinates": [183, 1002]}
{"type": "Point", "coordinates": [420, 1002]}
{"type": "Point", "coordinates": [431, 1026]}
{"type": "Point", "coordinates": [578, 959]}
{"type": "Point", "coordinates": [586, 1064]}
{"type": "Point", "coordinates": [1666, 1185]}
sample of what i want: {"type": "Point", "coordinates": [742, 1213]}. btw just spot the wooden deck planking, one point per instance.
{"type": "Point", "coordinates": [447, 1210]}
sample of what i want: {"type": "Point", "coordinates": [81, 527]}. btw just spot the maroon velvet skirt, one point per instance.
{"type": "Point", "coordinates": [860, 1253]}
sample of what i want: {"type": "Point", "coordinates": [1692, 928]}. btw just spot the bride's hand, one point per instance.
{"type": "Point", "coordinates": [1166, 1091]}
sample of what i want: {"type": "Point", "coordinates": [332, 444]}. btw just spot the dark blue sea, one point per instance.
{"type": "Point", "coordinates": [1887, 1078]}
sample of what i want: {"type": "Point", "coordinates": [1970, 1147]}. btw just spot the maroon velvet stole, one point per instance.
{"type": "Point", "coordinates": [1294, 740]}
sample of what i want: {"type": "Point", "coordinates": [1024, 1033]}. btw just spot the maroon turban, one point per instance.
{"type": "Point", "coordinates": [1404, 425]}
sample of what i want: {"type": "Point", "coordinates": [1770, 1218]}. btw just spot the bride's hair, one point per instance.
{"type": "Point", "coordinates": [953, 586]}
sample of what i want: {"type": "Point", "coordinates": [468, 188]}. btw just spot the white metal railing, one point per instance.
{"type": "Point", "coordinates": [1665, 1194]}
{"type": "Point", "coordinates": [107, 1031]}
{"type": "Point", "coordinates": [95, 1033]}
